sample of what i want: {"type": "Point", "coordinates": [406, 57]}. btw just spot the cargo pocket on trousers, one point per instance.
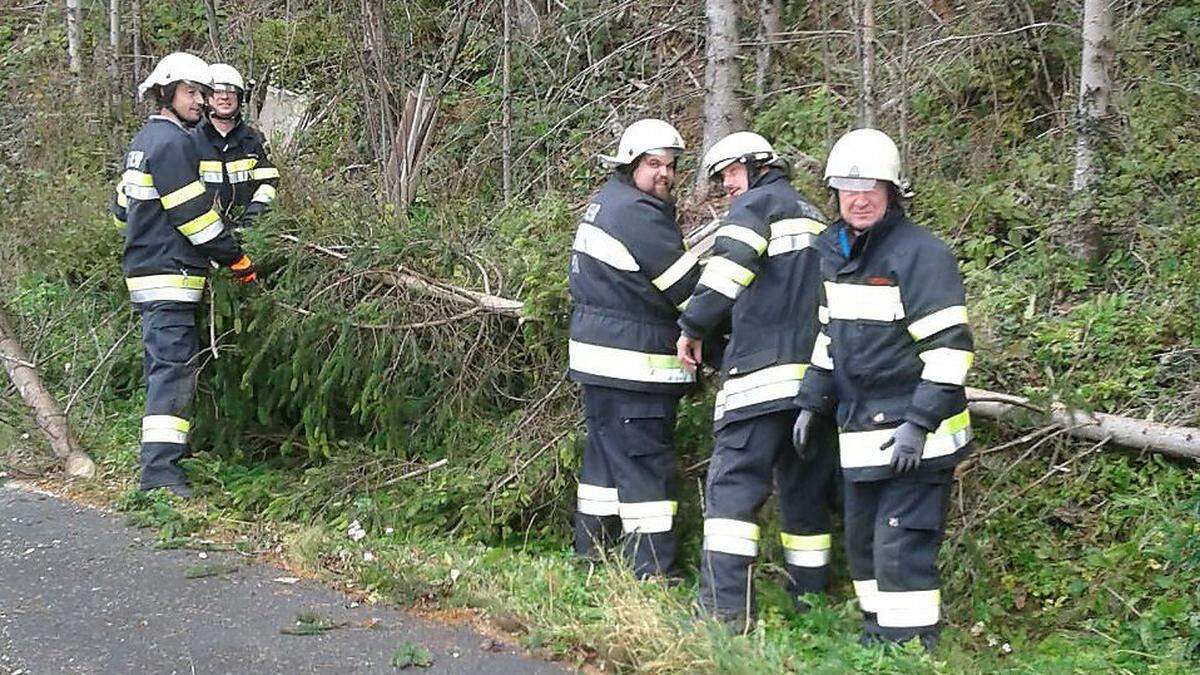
{"type": "Point", "coordinates": [647, 428]}
{"type": "Point", "coordinates": [915, 521]}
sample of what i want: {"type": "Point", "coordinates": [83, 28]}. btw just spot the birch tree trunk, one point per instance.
{"type": "Point", "coordinates": [49, 416]}
{"type": "Point", "coordinates": [1095, 87]}
{"type": "Point", "coordinates": [135, 18]}
{"type": "Point", "coordinates": [73, 48]}
{"type": "Point", "coordinates": [866, 93]}
{"type": "Point", "coordinates": [506, 104]}
{"type": "Point", "coordinates": [722, 110]}
{"type": "Point", "coordinates": [114, 54]}
{"type": "Point", "coordinates": [769, 17]}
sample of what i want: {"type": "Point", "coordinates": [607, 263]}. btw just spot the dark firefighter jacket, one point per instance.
{"type": "Point", "coordinates": [629, 274]}
{"type": "Point", "coordinates": [236, 170]}
{"type": "Point", "coordinates": [895, 346]}
{"type": "Point", "coordinates": [172, 231]}
{"type": "Point", "coordinates": [766, 274]}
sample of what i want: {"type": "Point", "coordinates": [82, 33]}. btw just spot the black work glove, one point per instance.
{"type": "Point", "coordinates": [909, 440]}
{"type": "Point", "coordinates": [801, 431]}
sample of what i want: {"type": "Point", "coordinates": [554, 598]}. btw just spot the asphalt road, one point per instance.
{"type": "Point", "coordinates": [80, 592]}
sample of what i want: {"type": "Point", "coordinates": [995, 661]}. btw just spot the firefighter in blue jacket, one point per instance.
{"type": "Point", "coordinates": [765, 275]}
{"type": "Point", "coordinates": [889, 366]}
{"type": "Point", "coordinates": [233, 155]}
{"type": "Point", "coordinates": [629, 275]}
{"type": "Point", "coordinates": [172, 239]}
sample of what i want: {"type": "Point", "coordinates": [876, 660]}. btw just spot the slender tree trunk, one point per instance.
{"type": "Point", "coordinates": [214, 30]}
{"type": "Point", "coordinates": [904, 147]}
{"type": "Point", "coordinates": [769, 17]}
{"type": "Point", "coordinates": [73, 48]}
{"type": "Point", "coordinates": [1095, 87]}
{"type": "Point", "coordinates": [48, 414]}
{"type": "Point", "coordinates": [826, 67]}
{"type": "Point", "coordinates": [866, 93]}
{"type": "Point", "coordinates": [114, 54]}
{"type": "Point", "coordinates": [135, 18]}
{"type": "Point", "coordinates": [722, 110]}
{"type": "Point", "coordinates": [506, 104]}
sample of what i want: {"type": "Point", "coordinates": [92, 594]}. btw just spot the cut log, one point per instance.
{"type": "Point", "coordinates": [49, 416]}
{"type": "Point", "coordinates": [1182, 442]}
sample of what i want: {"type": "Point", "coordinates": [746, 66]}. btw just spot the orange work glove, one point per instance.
{"type": "Point", "coordinates": [243, 270]}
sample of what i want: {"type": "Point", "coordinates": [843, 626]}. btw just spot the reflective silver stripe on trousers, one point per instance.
{"type": "Point", "coordinates": [165, 429]}
{"type": "Point", "coordinates": [806, 550]}
{"type": "Point", "coordinates": [909, 609]}
{"type": "Point", "coordinates": [867, 591]}
{"type": "Point", "coordinates": [648, 517]}
{"type": "Point", "coordinates": [735, 537]}
{"type": "Point", "coordinates": [595, 500]}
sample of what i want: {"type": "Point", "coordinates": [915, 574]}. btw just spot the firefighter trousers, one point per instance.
{"type": "Point", "coordinates": [170, 343]}
{"type": "Point", "coordinates": [745, 455]}
{"type": "Point", "coordinates": [627, 480]}
{"type": "Point", "coordinates": [894, 528]}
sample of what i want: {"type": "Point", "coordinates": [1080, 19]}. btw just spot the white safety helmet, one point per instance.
{"type": "Point", "coordinates": [744, 146]}
{"type": "Point", "coordinates": [226, 78]}
{"type": "Point", "coordinates": [644, 136]}
{"type": "Point", "coordinates": [177, 67]}
{"type": "Point", "coordinates": [860, 158]}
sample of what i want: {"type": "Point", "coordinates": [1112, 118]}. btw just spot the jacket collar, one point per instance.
{"type": "Point", "coordinates": [771, 175]}
{"type": "Point", "coordinates": [870, 239]}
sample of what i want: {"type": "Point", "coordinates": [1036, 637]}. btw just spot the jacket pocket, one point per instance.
{"type": "Point", "coordinates": [743, 362]}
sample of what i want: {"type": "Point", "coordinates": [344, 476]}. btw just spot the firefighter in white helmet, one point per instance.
{"type": "Point", "coordinates": [172, 240]}
{"type": "Point", "coordinates": [889, 368]}
{"type": "Point", "coordinates": [765, 276]}
{"type": "Point", "coordinates": [629, 275]}
{"type": "Point", "coordinates": [233, 155]}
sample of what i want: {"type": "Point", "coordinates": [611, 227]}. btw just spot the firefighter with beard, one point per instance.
{"type": "Point", "coordinates": [629, 277]}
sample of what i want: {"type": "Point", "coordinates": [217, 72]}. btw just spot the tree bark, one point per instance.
{"type": "Point", "coordinates": [114, 54]}
{"type": "Point", "coordinates": [722, 110]}
{"type": "Point", "coordinates": [73, 48]}
{"type": "Point", "coordinates": [1095, 87]}
{"type": "Point", "coordinates": [866, 92]}
{"type": "Point", "coordinates": [47, 413]}
{"type": "Point", "coordinates": [769, 17]}
{"type": "Point", "coordinates": [506, 105]}
{"type": "Point", "coordinates": [1182, 442]}
{"type": "Point", "coordinates": [210, 15]}
{"type": "Point", "coordinates": [135, 18]}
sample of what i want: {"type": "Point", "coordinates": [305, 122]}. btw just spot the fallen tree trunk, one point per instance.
{"type": "Point", "coordinates": [1182, 442]}
{"type": "Point", "coordinates": [47, 413]}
